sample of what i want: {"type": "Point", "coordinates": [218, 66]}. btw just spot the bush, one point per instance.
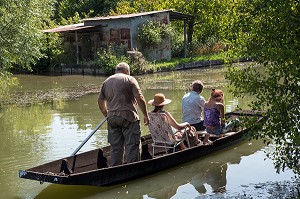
{"type": "Point", "coordinates": [153, 33]}
{"type": "Point", "coordinates": [109, 58]}
{"type": "Point", "coordinates": [211, 46]}
{"type": "Point", "coordinates": [137, 62]}
{"type": "Point", "coordinates": [177, 43]}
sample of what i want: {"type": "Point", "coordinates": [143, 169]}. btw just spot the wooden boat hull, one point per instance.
{"type": "Point", "coordinates": [87, 170]}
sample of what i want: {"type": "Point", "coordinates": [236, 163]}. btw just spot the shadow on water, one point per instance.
{"type": "Point", "coordinates": [70, 191]}
{"type": "Point", "coordinates": [202, 176]}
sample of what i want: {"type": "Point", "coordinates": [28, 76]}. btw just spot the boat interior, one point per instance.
{"type": "Point", "coordinates": [100, 158]}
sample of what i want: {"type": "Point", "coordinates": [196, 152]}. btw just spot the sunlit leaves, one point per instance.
{"type": "Point", "coordinates": [20, 31]}
{"type": "Point", "coordinates": [123, 7]}
{"type": "Point", "coordinates": [153, 33]}
{"type": "Point", "coordinates": [268, 32]}
{"type": "Point", "coordinates": [6, 81]}
{"type": "Point", "coordinates": [66, 9]}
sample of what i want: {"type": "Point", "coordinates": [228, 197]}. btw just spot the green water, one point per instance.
{"type": "Point", "coordinates": [33, 135]}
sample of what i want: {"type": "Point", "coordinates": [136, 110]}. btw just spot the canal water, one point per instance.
{"type": "Point", "coordinates": [33, 135]}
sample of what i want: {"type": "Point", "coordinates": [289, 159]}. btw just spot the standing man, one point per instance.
{"type": "Point", "coordinates": [193, 106]}
{"type": "Point", "coordinates": [119, 97]}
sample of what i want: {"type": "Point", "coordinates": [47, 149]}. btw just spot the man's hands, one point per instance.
{"type": "Point", "coordinates": [146, 119]}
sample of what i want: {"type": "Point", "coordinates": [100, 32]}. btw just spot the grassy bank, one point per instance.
{"type": "Point", "coordinates": [171, 64]}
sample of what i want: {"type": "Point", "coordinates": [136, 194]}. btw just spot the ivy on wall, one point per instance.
{"type": "Point", "coordinates": [153, 33]}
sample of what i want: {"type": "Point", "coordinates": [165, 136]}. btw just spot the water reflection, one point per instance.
{"type": "Point", "coordinates": [23, 135]}
{"type": "Point", "coordinates": [24, 128]}
{"type": "Point", "coordinates": [203, 176]}
{"type": "Point", "coordinates": [209, 176]}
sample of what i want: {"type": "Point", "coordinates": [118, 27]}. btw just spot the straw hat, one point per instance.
{"type": "Point", "coordinates": [159, 100]}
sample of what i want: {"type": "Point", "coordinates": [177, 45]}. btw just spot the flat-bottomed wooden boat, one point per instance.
{"type": "Point", "coordinates": [93, 167]}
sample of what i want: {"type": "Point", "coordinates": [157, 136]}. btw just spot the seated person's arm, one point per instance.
{"type": "Point", "coordinates": [174, 124]}
{"type": "Point", "coordinates": [221, 109]}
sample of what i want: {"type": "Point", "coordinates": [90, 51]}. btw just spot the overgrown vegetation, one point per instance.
{"type": "Point", "coordinates": [153, 33]}
{"type": "Point", "coordinates": [109, 58]}
{"type": "Point", "coordinates": [21, 40]}
{"type": "Point", "coordinates": [6, 81]}
{"type": "Point", "coordinates": [268, 31]}
{"type": "Point", "coordinates": [174, 62]}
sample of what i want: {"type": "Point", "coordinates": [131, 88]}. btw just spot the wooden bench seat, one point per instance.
{"type": "Point", "coordinates": [203, 133]}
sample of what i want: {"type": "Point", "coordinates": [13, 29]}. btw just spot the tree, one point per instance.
{"type": "Point", "coordinates": [21, 22]}
{"type": "Point", "coordinates": [269, 33]}
{"type": "Point", "coordinates": [66, 9]}
{"type": "Point", "coordinates": [130, 6]}
{"type": "Point", "coordinates": [208, 17]}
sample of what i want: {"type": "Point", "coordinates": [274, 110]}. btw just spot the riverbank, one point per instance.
{"type": "Point", "coordinates": [172, 65]}
{"type": "Point", "coordinates": [28, 98]}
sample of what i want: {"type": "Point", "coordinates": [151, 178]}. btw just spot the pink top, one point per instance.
{"type": "Point", "coordinates": [211, 117]}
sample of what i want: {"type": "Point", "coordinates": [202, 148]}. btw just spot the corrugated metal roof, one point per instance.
{"type": "Point", "coordinates": [67, 28]}
{"type": "Point", "coordinates": [80, 26]}
{"type": "Point", "coordinates": [173, 14]}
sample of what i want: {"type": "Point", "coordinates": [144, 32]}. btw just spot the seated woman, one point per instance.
{"type": "Point", "coordinates": [158, 102]}
{"type": "Point", "coordinates": [214, 114]}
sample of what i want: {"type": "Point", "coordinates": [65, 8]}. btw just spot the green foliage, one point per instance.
{"type": "Point", "coordinates": [138, 64]}
{"type": "Point", "coordinates": [209, 18]}
{"type": "Point", "coordinates": [171, 64]}
{"type": "Point", "coordinates": [67, 9]}
{"type": "Point", "coordinates": [54, 54]}
{"type": "Point", "coordinates": [123, 7]}
{"type": "Point", "coordinates": [21, 38]}
{"type": "Point", "coordinates": [71, 20]}
{"type": "Point", "coordinates": [55, 49]}
{"type": "Point", "coordinates": [153, 33]}
{"type": "Point", "coordinates": [177, 43]}
{"type": "Point", "coordinates": [129, 6]}
{"type": "Point", "coordinates": [268, 32]}
{"type": "Point", "coordinates": [6, 81]}
{"type": "Point", "coordinates": [109, 58]}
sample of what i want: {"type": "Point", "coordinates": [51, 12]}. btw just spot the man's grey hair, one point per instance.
{"type": "Point", "coordinates": [121, 67]}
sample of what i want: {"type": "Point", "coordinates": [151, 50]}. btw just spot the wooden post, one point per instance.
{"type": "Point", "coordinates": [77, 49]}
{"type": "Point", "coordinates": [184, 40]}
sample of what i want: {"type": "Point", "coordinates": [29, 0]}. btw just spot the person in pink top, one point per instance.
{"type": "Point", "coordinates": [214, 114]}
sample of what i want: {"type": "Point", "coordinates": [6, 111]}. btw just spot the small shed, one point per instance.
{"type": "Point", "coordinates": [85, 39]}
